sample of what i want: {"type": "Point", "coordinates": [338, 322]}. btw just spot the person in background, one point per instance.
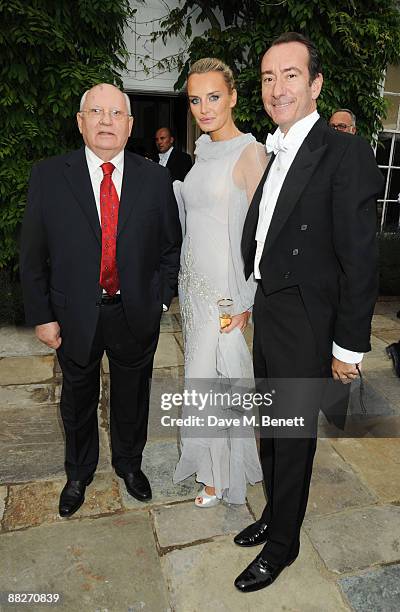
{"type": "Point", "coordinates": [177, 162]}
{"type": "Point", "coordinates": [343, 120]}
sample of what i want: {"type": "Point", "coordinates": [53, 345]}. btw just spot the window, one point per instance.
{"type": "Point", "coordinates": [388, 155]}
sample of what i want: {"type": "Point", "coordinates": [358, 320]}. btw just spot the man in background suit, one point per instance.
{"type": "Point", "coordinates": [309, 238]}
{"type": "Point", "coordinates": [177, 162]}
{"type": "Point", "coordinates": [344, 120]}
{"type": "Point", "coordinates": [99, 257]}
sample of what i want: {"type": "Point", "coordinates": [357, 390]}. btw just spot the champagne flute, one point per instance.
{"type": "Point", "coordinates": [225, 307]}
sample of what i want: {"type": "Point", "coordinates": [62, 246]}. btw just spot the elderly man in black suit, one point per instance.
{"type": "Point", "coordinates": [100, 250]}
{"type": "Point", "coordinates": [177, 162]}
{"type": "Point", "coordinates": [309, 238]}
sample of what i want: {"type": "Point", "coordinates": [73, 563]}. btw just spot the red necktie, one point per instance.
{"type": "Point", "coordinates": [109, 204]}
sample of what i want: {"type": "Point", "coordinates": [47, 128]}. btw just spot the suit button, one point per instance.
{"type": "Point", "coordinates": [295, 252]}
{"type": "Point", "coordinates": [303, 228]}
{"type": "Point", "coordinates": [286, 275]}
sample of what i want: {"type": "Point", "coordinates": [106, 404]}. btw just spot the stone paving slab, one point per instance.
{"type": "Point", "coordinates": [375, 402]}
{"type": "Point", "coordinates": [25, 370]}
{"type": "Point", "coordinates": [108, 563]}
{"type": "Point", "coordinates": [169, 323]}
{"type": "Point", "coordinates": [376, 359]}
{"type": "Point", "coordinates": [159, 460]}
{"type": "Point", "coordinates": [386, 321]}
{"type": "Point", "coordinates": [179, 339]}
{"type": "Point", "coordinates": [334, 485]}
{"type": "Point", "coordinates": [388, 336]}
{"type": "Point", "coordinates": [21, 341]}
{"type": "Point", "coordinates": [36, 503]}
{"type": "Point", "coordinates": [376, 461]}
{"type": "Point", "coordinates": [248, 336]}
{"type": "Point", "coordinates": [3, 497]}
{"type": "Point", "coordinates": [25, 396]}
{"type": "Point", "coordinates": [170, 372]}
{"type": "Point", "coordinates": [387, 384]}
{"type": "Point", "coordinates": [387, 304]}
{"type": "Point", "coordinates": [377, 591]}
{"type": "Point", "coordinates": [201, 578]}
{"type": "Point", "coordinates": [185, 523]}
{"type": "Point", "coordinates": [356, 539]}
{"type": "Point", "coordinates": [161, 406]}
{"type": "Point", "coordinates": [32, 444]}
{"type": "Point", "coordinates": [256, 499]}
{"type": "Point", "coordinates": [168, 352]}
{"type": "Point", "coordinates": [174, 307]}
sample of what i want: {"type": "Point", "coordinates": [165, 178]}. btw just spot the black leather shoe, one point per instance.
{"type": "Point", "coordinates": [136, 484]}
{"type": "Point", "coordinates": [253, 535]}
{"type": "Point", "coordinates": [393, 350]}
{"type": "Point", "coordinates": [72, 496]}
{"type": "Point", "coordinates": [258, 575]}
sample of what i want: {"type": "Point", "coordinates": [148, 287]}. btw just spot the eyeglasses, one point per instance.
{"type": "Point", "coordinates": [98, 113]}
{"type": "Point", "coordinates": [342, 127]}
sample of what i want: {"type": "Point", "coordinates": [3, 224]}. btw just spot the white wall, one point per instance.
{"type": "Point", "coordinates": [137, 38]}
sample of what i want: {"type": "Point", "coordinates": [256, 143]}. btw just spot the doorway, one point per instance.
{"type": "Point", "coordinates": [151, 112]}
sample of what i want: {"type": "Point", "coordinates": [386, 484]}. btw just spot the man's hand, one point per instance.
{"type": "Point", "coordinates": [345, 372]}
{"type": "Point", "coordinates": [49, 334]}
{"type": "Point", "coordinates": [239, 321]}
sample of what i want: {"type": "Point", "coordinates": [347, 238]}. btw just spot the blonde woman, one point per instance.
{"type": "Point", "coordinates": [213, 201]}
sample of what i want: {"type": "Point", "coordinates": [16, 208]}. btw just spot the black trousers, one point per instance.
{"type": "Point", "coordinates": [130, 373]}
{"type": "Point", "coordinates": [285, 348]}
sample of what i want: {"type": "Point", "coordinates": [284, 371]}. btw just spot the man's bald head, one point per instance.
{"type": "Point", "coordinates": [104, 120]}
{"type": "Point", "coordinates": [164, 139]}
{"type": "Point", "coordinates": [102, 85]}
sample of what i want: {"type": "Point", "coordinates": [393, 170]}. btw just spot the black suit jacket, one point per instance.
{"type": "Point", "coordinates": [322, 237]}
{"type": "Point", "coordinates": [178, 164]}
{"type": "Point", "coordinates": [61, 249]}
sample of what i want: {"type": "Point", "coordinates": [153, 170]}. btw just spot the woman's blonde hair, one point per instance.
{"type": "Point", "coordinates": [212, 64]}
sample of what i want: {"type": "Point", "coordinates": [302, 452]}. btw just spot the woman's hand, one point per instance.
{"type": "Point", "coordinates": [239, 320]}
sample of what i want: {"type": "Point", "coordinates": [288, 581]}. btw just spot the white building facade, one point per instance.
{"type": "Point", "coordinates": [156, 103]}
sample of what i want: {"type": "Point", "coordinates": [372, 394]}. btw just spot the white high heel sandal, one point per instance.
{"type": "Point", "coordinates": [207, 501]}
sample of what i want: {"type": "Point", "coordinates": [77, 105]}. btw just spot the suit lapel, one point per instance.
{"type": "Point", "coordinates": [171, 159]}
{"type": "Point", "coordinates": [299, 175]}
{"type": "Point", "coordinates": [132, 186]}
{"type": "Point", "coordinates": [77, 174]}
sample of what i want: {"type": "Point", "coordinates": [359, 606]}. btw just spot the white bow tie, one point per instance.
{"type": "Point", "coordinates": [275, 142]}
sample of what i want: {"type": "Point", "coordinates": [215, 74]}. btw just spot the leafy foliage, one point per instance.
{"type": "Point", "coordinates": [51, 52]}
{"type": "Point", "coordinates": [357, 39]}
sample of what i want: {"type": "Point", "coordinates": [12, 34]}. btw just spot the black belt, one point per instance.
{"type": "Point", "coordinates": [110, 299]}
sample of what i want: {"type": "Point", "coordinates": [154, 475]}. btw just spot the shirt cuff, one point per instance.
{"type": "Point", "coordinates": [345, 355]}
{"type": "Point", "coordinates": [165, 308]}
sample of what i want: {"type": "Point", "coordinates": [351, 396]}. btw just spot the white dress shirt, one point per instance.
{"type": "Point", "coordinates": [164, 157]}
{"type": "Point", "coordinates": [96, 176]}
{"type": "Point", "coordinates": [96, 173]}
{"type": "Point", "coordinates": [286, 149]}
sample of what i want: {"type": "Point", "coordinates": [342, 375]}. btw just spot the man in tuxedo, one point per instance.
{"type": "Point", "coordinates": [309, 238]}
{"type": "Point", "coordinates": [177, 162]}
{"type": "Point", "coordinates": [99, 257]}
{"type": "Point", "coordinates": [343, 120]}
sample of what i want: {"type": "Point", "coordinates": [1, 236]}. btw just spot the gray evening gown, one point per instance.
{"type": "Point", "coordinates": [213, 202]}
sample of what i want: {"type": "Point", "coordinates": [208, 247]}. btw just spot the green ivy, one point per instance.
{"type": "Point", "coordinates": [51, 52]}
{"type": "Point", "coordinates": [357, 39]}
